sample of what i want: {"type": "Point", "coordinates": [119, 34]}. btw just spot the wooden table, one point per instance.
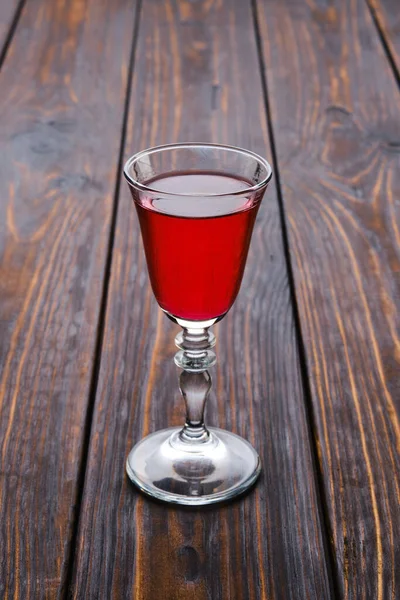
{"type": "Point", "coordinates": [309, 356]}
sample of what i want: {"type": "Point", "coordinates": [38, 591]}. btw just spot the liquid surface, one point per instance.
{"type": "Point", "coordinates": [203, 187]}
{"type": "Point", "coordinates": [196, 247]}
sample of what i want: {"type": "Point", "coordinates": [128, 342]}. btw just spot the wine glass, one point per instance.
{"type": "Point", "coordinates": [196, 204]}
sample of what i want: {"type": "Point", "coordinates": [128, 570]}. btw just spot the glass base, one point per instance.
{"type": "Point", "coordinates": [169, 469]}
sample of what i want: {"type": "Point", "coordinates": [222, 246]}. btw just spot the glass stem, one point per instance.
{"type": "Point", "coordinates": [194, 388]}
{"type": "Point", "coordinates": [195, 356]}
{"type": "Point", "coordinates": [195, 345]}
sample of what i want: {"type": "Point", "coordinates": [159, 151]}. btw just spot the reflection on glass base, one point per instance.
{"type": "Point", "coordinates": [167, 468]}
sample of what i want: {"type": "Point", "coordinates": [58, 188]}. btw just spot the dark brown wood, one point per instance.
{"type": "Point", "coordinates": [197, 77]}
{"type": "Point", "coordinates": [387, 15]}
{"type": "Point", "coordinates": [8, 9]}
{"type": "Point", "coordinates": [63, 88]}
{"type": "Point", "coordinates": [336, 116]}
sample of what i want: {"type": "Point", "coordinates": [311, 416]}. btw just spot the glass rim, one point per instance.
{"type": "Point", "coordinates": [178, 146]}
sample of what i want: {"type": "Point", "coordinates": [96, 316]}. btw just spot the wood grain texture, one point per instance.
{"type": "Point", "coordinates": [63, 90]}
{"type": "Point", "coordinates": [387, 15]}
{"type": "Point", "coordinates": [337, 135]}
{"type": "Point", "coordinates": [197, 77]}
{"type": "Point", "coordinates": [8, 9]}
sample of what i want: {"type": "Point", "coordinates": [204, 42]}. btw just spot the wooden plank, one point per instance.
{"type": "Point", "coordinates": [387, 15]}
{"type": "Point", "coordinates": [8, 10]}
{"type": "Point", "coordinates": [63, 88]}
{"type": "Point", "coordinates": [197, 78]}
{"type": "Point", "coordinates": [337, 133]}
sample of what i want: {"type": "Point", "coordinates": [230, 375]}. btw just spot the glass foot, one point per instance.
{"type": "Point", "coordinates": [169, 469]}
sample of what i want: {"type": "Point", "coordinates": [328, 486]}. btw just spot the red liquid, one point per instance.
{"type": "Point", "coordinates": [196, 248]}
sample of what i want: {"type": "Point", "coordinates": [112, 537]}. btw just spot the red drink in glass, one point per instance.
{"type": "Point", "coordinates": [196, 251]}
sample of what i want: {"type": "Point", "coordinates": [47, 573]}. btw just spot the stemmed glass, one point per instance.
{"type": "Point", "coordinates": [196, 204]}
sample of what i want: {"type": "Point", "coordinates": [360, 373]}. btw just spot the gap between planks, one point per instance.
{"type": "Point", "coordinates": [10, 34]}
{"type": "Point", "coordinates": [384, 42]}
